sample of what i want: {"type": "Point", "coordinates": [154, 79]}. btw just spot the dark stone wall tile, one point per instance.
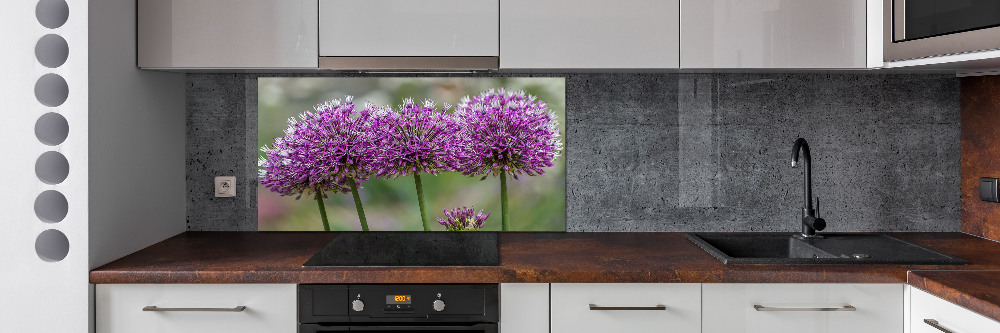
{"type": "Point", "coordinates": [616, 175]}
{"type": "Point", "coordinates": [621, 99]}
{"type": "Point", "coordinates": [685, 152]}
{"type": "Point", "coordinates": [217, 135]}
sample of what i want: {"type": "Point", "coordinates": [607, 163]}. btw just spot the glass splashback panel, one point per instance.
{"type": "Point", "coordinates": [312, 153]}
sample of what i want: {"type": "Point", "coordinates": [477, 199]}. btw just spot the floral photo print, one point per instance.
{"type": "Point", "coordinates": [411, 154]}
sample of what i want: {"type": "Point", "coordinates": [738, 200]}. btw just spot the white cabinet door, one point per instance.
{"type": "Point", "coordinates": [626, 307]}
{"type": "Point", "coordinates": [589, 34]}
{"type": "Point", "coordinates": [524, 308]}
{"type": "Point", "coordinates": [774, 34]}
{"type": "Point", "coordinates": [409, 28]}
{"type": "Point", "coordinates": [794, 308]}
{"type": "Point", "coordinates": [227, 34]}
{"type": "Point", "coordinates": [269, 308]}
{"type": "Point", "coordinates": [951, 317]}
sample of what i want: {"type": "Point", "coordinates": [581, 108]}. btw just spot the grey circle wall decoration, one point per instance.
{"type": "Point", "coordinates": [51, 129]}
{"type": "Point", "coordinates": [52, 167]}
{"type": "Point", "coordinates": [52, 13]}
{"type": "Point", "coordinates": [51, 90]}
{"type": "Point", "coordinates": [52, 245]}
{"type": "Point", "coordinates": [51, 206]}
{"type": "Point", "coordinates": [51, 51]}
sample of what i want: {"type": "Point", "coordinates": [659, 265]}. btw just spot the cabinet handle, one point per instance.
{"type": "Point", "coordinates": [759, 307]}
{"type": "Point", "coordinates": [233, 309]}
{"type": "Point", "coordinates": [935, 324]}
{"type": "Point", "coordinates": [630, 308]}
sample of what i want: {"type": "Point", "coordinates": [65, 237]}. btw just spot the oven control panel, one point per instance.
{"type": "Point", "coordinates": [395, 303]}
{"type": "Point", "coordinates": [406, 300]}
{"type": "Point", "coordinates": [399, 303]}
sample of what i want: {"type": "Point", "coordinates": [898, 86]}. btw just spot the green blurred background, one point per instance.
{"type": "Point", "coordinates": [536, 203]}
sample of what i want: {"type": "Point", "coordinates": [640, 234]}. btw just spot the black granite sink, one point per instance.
{"type": "Point", "coordinates": [786, 248]}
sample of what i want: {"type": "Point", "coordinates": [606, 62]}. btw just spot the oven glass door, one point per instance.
{"type": "Point", "coordinates": [930, 18]}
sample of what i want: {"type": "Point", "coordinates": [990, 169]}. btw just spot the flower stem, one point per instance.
{"type": "Point", "coordinates": [322, 210]}
{"type": "Point", "coordinates": [420, 199]}
{"type": "Point", "coordinates": [503, 201]}
{"type": "Point", "coordinates": [357, 204]}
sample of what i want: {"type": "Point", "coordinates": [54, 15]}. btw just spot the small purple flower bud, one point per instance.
{"type": "Point", "coordinates": [463, 219]}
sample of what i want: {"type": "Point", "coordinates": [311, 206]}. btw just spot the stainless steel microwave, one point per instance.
{"type": "Point", "coordinates": [928, 28]}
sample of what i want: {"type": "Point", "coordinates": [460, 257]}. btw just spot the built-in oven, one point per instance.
{"type": "Point", "coordinates": [388, 308]}
{"type": "Point", "coordinates": [927, 28]}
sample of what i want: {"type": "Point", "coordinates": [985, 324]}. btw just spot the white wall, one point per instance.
{"type": "Point", "coordinates": [36, 295]}
{"type": "Point", "coordinates": [125, 148]}
{"type": "Point", "coordinates": [137, 185]}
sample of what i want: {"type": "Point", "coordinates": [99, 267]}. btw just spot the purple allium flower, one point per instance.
{"type": "Point", "coordinates": [417, 139]}
{"type": "Point", "coordinates": [463, 219]}
{"type": "Point", "coordinates": [320, 151]}
{"type": "Point", "coordinates": [508, 131]}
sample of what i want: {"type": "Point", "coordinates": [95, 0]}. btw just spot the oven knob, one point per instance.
{"type": "Point", "coordinates": [438, 305]}
{"type": "Point", "coordinates": [358, 305]}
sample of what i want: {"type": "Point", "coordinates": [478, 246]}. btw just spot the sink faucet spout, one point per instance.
{"type": "Point", "coordinates": [810, 222]}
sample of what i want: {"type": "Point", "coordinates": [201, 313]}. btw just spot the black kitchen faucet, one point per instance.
{"type": "Point", "coordinates": [810, 222]}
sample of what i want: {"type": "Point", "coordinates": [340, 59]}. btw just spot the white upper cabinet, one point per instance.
{"type": "Point", "coordinates": [227, 34]}
{"type": "Point", "coordinates": [778, 33]}
{"type": "Point", "coordinates": [589, 34]}
{"type": "Point", "coordinates": [407, 28]}
{"type": "Point", "coordinates": [512, 34]}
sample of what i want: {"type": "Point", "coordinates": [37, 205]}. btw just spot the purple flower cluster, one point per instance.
{"type": "Point", "coordinates": [463, 219]}
{"type": "Point", "coordinates": [417, 139]}
{"type": "Point", "coordinates": [507, 131]}
{"type": "Point", "coordinates": [499, 132]}
{"type": "Point", "coordinates": [320, 151]}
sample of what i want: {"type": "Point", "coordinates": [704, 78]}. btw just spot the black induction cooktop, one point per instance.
{"type": "Point", "coordinates": [409, 248]}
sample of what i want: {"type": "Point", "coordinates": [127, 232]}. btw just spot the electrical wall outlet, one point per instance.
{"type": "Point", "coordinates": [225, 186]}
{"type": "Point", "coordinates": [988, 189]}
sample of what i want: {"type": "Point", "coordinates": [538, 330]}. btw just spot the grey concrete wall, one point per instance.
{"type": "Point", "coordinates": [683, 152]}
{"type": "Point", "coordinates": [221, 135]}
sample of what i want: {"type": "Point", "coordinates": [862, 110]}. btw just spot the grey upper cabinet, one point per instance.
{"type": "Point", "coordinates": [220, 34]}
{"type": "Point", "coordinates": [509, 34]}
{"type": "Point", "coordinates": [780, 34]}
{"type": "Point", "coordinates": [409, 35]}
{"type": "Point", "coordinates": [582, 34]}
{"type": "Point", "coordinates": [406, 28]}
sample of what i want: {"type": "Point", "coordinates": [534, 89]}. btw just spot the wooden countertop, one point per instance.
{"type": "Point", "coordinates": [978, 291]}
{"type": "Point", "coordinates": [277, 257]}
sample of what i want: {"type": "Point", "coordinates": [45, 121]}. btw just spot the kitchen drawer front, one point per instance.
{"type": "Point", "coordinates": [571, 307]}
{"type": "Point", "coordinates": [269, 308]}
{"type": "Point", "coordinates": [730, 308]}
{"type": "Point", "coordinates": [949, 316]}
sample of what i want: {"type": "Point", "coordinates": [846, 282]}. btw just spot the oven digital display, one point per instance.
{"type": "Point", "coordinates": [397, 299]}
